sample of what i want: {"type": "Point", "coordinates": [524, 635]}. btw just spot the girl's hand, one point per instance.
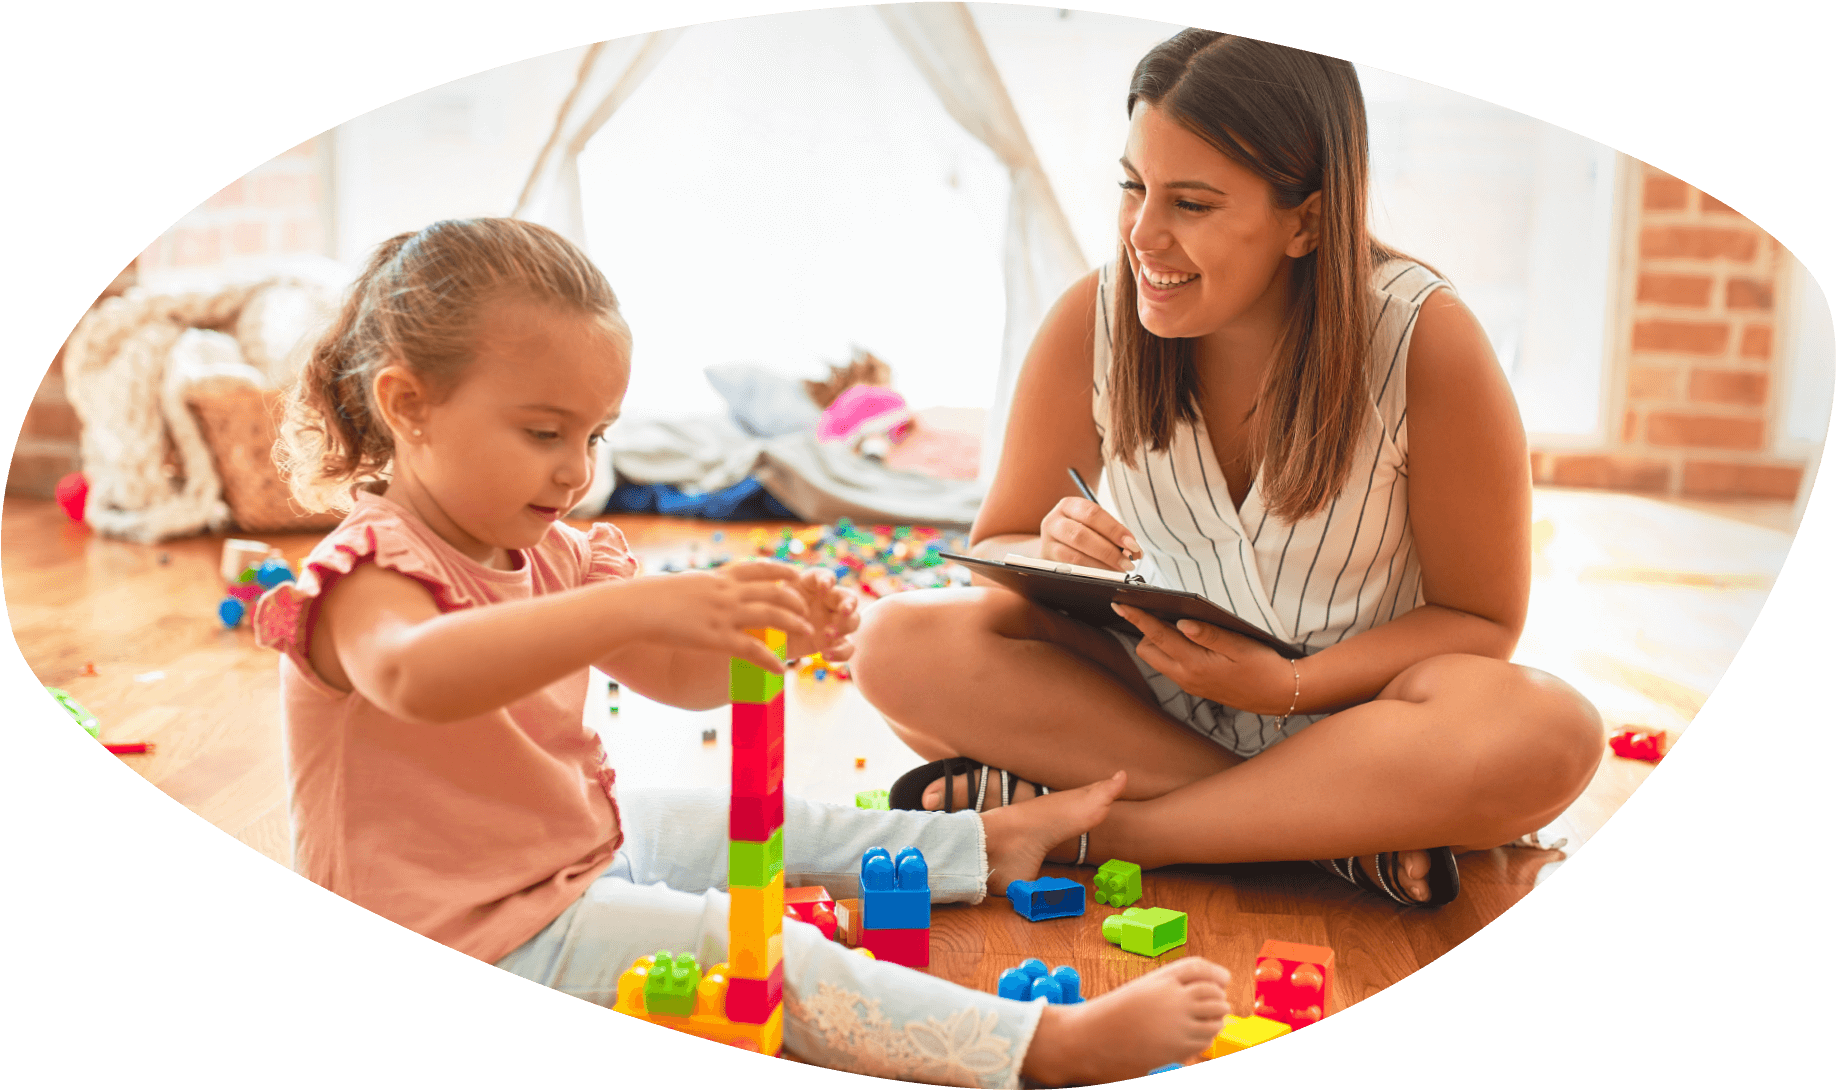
{"type": "Point", "coordinates": [1077, 531]}
{"type": "Point", "coordinates": [833, 613]}
{"type": "Point", "coordinates": [711, 610]}
{"type": "Point", "coordinates": [1219, 665]}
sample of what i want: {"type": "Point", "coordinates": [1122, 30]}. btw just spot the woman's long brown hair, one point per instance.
{"type": "Point", "coordinates": [1297, 120]}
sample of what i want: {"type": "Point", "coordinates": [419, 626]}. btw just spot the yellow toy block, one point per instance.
{"type": "Point", "coordinates": [745, 961]}
{"type": "Point", "coordinates": [709, 1021]}
{"type": "Point", "coordinates": [1241, 1033]}
{"type": "Point", "coordinates": [772, 638]}
{"type": "Point", "coordinates": [755, 915]}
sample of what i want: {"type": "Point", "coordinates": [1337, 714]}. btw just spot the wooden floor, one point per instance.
{"type": "Point", "coordinates": [1639, 603]}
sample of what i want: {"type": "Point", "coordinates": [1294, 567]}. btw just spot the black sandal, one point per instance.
{"type": "Point", "coordinates": [908, 790]}
{"type": "Point", "coordinates": [1443, 877]}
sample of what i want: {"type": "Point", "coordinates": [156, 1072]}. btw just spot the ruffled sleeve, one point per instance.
{"type": "Point", "coordinates": [608, 554]}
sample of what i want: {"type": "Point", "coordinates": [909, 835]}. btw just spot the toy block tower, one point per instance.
{"type": "Point", "coordinates": [1293, 982]}
{"type": "Point", "coordinates": [896, 906]}
{"type": "Point", "coordinates": [755, 856]}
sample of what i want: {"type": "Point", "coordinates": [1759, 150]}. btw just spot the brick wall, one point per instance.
{"type": "Point", "coordinates": [1697, 370]}
{"type": "Point", "coordinates": [276, 209]}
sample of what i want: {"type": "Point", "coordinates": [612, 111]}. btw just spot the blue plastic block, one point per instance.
{"type": "Point", "coordinates": [273, 572]}
{"type": "Point", "coordinates": [1168, 1067]}
{"type": "Point", "coordinates": [1031, 981]}
{"type": "Point", "coordinates": [895, 890]}
{"type": "Point", "coordinates": [1046, 898]}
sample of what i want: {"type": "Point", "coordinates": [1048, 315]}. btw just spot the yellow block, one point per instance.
{"type": "Point", "coordinates": [709, 1020]}
{"type": "Point", "coordinates": [746, 962]}
{"type": "Point", "coordinates": [771, 638]}
{"type": "Point", "coordinates": [1241, 1033]}
{"type": "Point", "coordinates": [755, 915]}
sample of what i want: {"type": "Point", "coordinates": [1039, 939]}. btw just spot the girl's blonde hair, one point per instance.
{"type": "Point", "coordinates": [416, 305]}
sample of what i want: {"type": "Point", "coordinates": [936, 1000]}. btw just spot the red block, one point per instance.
{"type": "Point", "coordinates": [758, 771]}
{"type": "Point", "coordinates": [812, 904]}
{"type": "Point", "coordinates": [753, 817]}
{"type": "Point", "coordinates": [756, 726]}
{"type": "Point", "coordinates": [1641, 744]}
{"type": "Point", "coordinates": [1293, 982]}
{"type": "Point", "coordinates": [752, 1001]}
{"type": "Point", "coordinates": [904, 945]}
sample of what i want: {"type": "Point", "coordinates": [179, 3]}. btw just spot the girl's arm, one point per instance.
{"type": "Point", "coordinates": [1032, 505]}
{"type": "Point", "coordinates": [379, 633]}
{"type": "Point", "coordinates": [1469, 509]}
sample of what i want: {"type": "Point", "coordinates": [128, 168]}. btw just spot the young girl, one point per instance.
{"type": "Point", "coordinates": [1309, 429]}
{"type": "Point", "coordinates": [434, 675]}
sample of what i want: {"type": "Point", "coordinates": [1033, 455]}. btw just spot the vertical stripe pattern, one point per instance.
{"type": "Point", "coordinates": [1348, 568]}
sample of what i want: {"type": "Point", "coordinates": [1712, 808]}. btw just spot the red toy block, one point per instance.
{"type": "Point", "coordinates": [755, 817]}
{"type": "Point", "coordinates": [758, 771]}
{"type": "Point", "coordinates": [1641, 744]}
{"type": "Point", "coordinates": [905, 945]}
{"type": "Point", "coordinates": [812, 904]}
{"type": "Point", "coordinates": [1293, 982]}
{"type": "Point", "coordinates": [753, 1000]}
{"type": "Point", "coordinates": [756, 726]}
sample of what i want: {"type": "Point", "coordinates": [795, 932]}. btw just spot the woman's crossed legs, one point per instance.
{"type": "Point", "coordinates": [1457, 750]}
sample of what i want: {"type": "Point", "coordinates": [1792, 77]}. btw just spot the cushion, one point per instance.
{"type": "Point", "coordinates": [763, 402]}
{"type": "Point", "coordinates": [240, 424]}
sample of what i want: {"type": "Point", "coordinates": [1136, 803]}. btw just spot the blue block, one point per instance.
{"type": "Point", "coordinates": [1168, 1067]}
{"type": "Point", "coordinates": [1031, 981]}
{"type": "Point", "coordinates": [895, 891]}
{"type": "Point", "coordinates": [1046, 898]}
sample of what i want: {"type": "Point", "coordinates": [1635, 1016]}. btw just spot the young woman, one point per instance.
{"type": "Point", "coordinates": [1309, 429]}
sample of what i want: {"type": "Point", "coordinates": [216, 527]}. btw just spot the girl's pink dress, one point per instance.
{"type": "Point", "coordinates": [476, 833]}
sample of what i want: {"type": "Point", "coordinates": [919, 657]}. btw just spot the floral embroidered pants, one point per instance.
{"type": "Point", "coordinates": [663, 892]}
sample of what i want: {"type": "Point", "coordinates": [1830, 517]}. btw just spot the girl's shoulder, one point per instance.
{"type": "Point", "coordinates": [1406, 281]}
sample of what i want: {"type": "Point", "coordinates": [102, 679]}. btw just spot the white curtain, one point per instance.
{"type": "Point", "coordinates": [609, 72]}
{"type": "Point", "coordinates": [1042, 255]}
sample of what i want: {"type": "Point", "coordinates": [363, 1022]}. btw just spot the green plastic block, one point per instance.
{"type": "Point", "coordinates": [748, 684]}
{"type": "Point", "coordinates": [669, 986]}
{"type": "Point", "coordinates": [872, 800]}
{"type": "Point", "coordinates": [1118, 883]}
{"type": "Point", "coordinates": [77, 711]}
{"type": "Point", "coordinates": [1149, 932]}
{"type": "Point", "coordinates": [752, 863]}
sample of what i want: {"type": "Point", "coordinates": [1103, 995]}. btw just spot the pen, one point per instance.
{"type": "Point", "coordinates": [1078, 479]}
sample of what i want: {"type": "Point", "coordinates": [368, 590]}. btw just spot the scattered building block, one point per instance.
{"type": "Point", "coordinates": [1293, 982]}
{"type": "Point", "coordinates": [1046, 898]}
{"type": "Point", "coordinates": [669, 986]}
{"type": "Point", "coordinates": [754, 1001]}
{"type": "Point", "coordinates": [1030, 981]}
{"type": "Point", "coordinates": [877, 799]}
{"type": "Point", "coordinates": [905, 945]}
{"type": "Point", "coordinates": [812, 905]}
{"type": "Point", "coordinates": [1118, 883]}
{"type": "Point", "coordinates": [1164, 1068]}
{"type": "Point", "coordinates": [709, 1020]}
{"type": "Point", "coordinates": [895, 891]}
{"type": "Point", "coordinates": [1147, 931]}
{"type": "Point", "coordinates": [848, 921]}
{"type": "Point", "coordinates": [1641, 744]}
{"type": "Point", "coordinates": [1241, 1033]}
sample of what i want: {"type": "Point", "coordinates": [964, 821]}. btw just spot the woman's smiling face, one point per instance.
{"type": "Point", "coordinates": [1207, 246]}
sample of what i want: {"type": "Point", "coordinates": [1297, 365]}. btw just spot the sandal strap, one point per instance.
{"type": "Point", "coordinates": [1083, 847]}
{"type": "Point", "coordinates": [981, 792]}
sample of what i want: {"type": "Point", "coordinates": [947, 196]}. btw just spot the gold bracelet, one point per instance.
{"type": "Point", "coordinates": [1282, 723]}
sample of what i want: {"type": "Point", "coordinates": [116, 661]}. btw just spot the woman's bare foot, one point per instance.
{"type": "Point", "coordinates": [1411, 873]}
{"type": "Point", "coordinates": [1167, 1016]}
{"type": "Point", "coordinates": [966, 788]}
{"type": "Point", "coordinates": [1019, 836]}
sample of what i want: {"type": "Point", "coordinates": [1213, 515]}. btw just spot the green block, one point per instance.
{"type": "Point", "coordinates": [753, 864]}
{"type": "Point", "coordinates": [77, 711]}
{"type": "Point", "coordinates": [669, 986]}
{"type": "Point", "coordinates": [1149, 932]}
{"type": "Point", "coordinates": [872, 800]}
{"type": "Point", "coordinates": [1118, 883]}
{"type": "Point", "coordinates": [748, 684]}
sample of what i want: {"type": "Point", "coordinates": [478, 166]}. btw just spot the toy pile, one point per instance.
{"type": "Point", "coordinates": [249, 569]}
{"type": "Point", "coordinates": [877, 561]}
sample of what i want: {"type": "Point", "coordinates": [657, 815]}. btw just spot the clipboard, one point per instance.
{"type": "Point", "coordinates": [1088, 598]}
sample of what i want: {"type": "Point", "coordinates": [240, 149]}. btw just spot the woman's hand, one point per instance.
{"type": "Point", "coordinates": [1219, 665]}
{"type": "Point", "coordinates": [711, 610]}
{"type": "Point", "coordinates": [833, 613]}
{"type": "Point", "coordinates": [1076, 531]}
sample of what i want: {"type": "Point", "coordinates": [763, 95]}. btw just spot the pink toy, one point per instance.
{"type": "Point", "coordinates": [868, 409]}
{"type": "Point", "coordinates": [73, 495]}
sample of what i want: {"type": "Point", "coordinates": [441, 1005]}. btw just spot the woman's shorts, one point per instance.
{"type": "Point", "coordinates": [1242, 733]}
